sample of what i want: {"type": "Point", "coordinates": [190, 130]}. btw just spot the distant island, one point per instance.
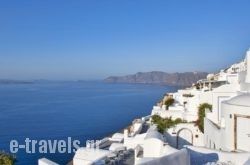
{"type": "Point", "coordinates": [157, 77]}
{"type": "Point", "coordinates": [5, 81]}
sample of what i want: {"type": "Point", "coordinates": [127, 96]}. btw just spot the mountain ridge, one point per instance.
{"type": "Point", "coordinates": [159, 77]}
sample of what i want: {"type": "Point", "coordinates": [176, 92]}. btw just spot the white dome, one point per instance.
{"type": "Point", "coordinates": [152, 133]}
{"type": "Point", "coordinates": [241, 100]}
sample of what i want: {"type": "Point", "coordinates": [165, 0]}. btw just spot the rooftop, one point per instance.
{"type": "Point", "coordinates": [151, 133]}
{"type": "Point", "coordinates": [241, 100]}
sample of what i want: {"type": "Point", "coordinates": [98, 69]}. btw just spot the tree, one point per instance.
{"type": "Point", "coordinates": [169, 101]}
{"type": "Point", "coordinates": [164, 123]}
{"type": "Point", "coordinates": [201, 114]}
{"type": "Point", "coordinates": [6, 158]}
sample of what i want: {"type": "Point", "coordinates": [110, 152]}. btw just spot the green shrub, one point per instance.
{"type": "Point", "coordinates": [6, 158]}
{"type": "Point", "coordinates": [178, 120]}
{"type": "Point", "coordinates": [156, 118]}
{"type": "Point", "coordinates": [169, 102]}
{"type": "Point", "coordinates": [201, 115]}
{"type": "Point", "coordinates": [164, 123]}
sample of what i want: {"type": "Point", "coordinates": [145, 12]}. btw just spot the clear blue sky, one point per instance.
{"type": "Point", "coordinates": [92, 39]}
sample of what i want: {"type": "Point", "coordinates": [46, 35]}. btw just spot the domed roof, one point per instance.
{"type": "Point", "coordinates": [241, 100]}
{"type": "Point", "coordinates": [152, 133]}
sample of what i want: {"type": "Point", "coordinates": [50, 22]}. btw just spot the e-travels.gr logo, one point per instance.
{"type": "Point", "coordinates": [46, 146]}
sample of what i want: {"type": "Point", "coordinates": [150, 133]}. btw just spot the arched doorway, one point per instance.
{"type": "Point", "coordinates": [184, 137]}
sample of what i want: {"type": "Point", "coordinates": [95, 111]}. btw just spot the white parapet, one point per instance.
{"type": "Point", "coordinates": [248, 66]}
{"type": "Point", "coordinates": [45, 161]}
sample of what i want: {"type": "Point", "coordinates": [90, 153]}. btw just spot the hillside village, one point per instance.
{"type": "Point", "coordinates": [207, 123]}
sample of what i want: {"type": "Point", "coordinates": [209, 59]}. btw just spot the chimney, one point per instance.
{"type": "Point", "coordinates": [248, 66]}
{"type": "Point", "coordinates": [125, 134]}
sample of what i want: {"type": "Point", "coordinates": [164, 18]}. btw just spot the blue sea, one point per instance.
{"type": "Point", "coordinates": [80, 110]}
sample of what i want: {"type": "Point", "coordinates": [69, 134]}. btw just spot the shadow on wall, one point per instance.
{"type": "Point", "coordinates": [170, 139]}
{"type": "Point", "coordinates": [180, 143]}
{"type": "Point", "coordinates": [176, 141]}
{"type": "Point", "coordinates": [197, 158]}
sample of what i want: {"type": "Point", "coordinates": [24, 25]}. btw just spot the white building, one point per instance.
{"type": "Point", "coordinates": [88, 156]}
{"type": "Point", "coordinates": [153, 144]}
{"type": "Point", "coordinates": [233, 133]}
{"type": "Point", "coordinates": [148, 146]}
{"type": "Point", "coordinates": [227, 126]}
{"type": "Point", "coordinates": [184, 134]}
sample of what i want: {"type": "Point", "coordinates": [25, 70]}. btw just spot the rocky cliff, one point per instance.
{"type": "Point", "coordinates": [156, 77]}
